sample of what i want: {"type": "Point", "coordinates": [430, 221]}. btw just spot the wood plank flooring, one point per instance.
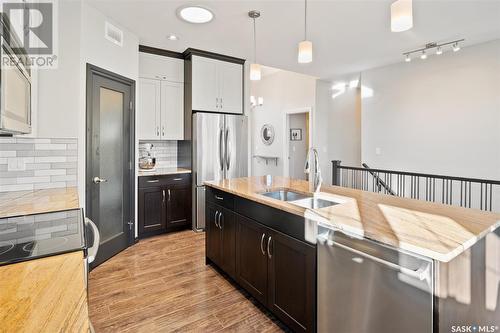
{"type": "Point", "coordinates": [162, 284]}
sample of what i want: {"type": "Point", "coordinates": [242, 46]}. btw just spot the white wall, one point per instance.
{"type": "Point", "coordinates": [338, 127]}
{"type": "Point", "coordinates": [281, 91]}
{"type": "Point", "coordinates": [438, 116]}
{"type": "Point", "coordinates": [62, 91]}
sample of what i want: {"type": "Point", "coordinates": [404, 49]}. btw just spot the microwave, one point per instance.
{"type": "Point", "coordinates": [15, 86]}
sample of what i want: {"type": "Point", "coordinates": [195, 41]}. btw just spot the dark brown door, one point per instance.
{"type": "Point", "coordinates": [178, 207]}
{"type": "Point", "coordinates": [213, 233]}
{"type": "Point", "coordinates": [251, 257]}
{"type": "Point", "coordinates": [151, 210]}
{"type": "Point", "coordinates": [292, 281]}
{"type": "Point", "coordinates": [228, 229]}
{"type": "Point", "coordinates": [110, 140]}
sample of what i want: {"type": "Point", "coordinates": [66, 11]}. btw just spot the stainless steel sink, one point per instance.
{"type": "Point", "coordinates": [286, 195]}
{"type": "Point", "coordinates": [314, 203]}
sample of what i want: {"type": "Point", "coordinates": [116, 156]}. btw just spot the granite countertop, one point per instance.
{"type": "Point", "coordinates": [39, 201]}
{"type": "Point", "coordinates": [437, 231]}
{"type": "Point", "coordinates": [163, 171]}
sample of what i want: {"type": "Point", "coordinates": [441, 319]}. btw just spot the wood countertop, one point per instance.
{"type": "Point", "coordinates": [163, 171]}
{"type": "Point", "coordinates": [44, 295]}
{"type": "Point", "coordinates": [437, 231]}
{"type": "Point", "coordinates": [38, 201]}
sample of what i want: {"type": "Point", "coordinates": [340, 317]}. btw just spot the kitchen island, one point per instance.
{"type": "Point", "coordinates": [461, 245]}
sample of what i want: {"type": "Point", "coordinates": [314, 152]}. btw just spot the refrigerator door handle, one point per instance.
{"type": "Point", "coordinates": [221, 158]}
{"type": "Point", "coordinates": [228, 149]}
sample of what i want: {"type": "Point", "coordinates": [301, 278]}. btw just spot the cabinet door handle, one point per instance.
{"type": "Point", "coordinates": [216, 219]}
{"type": "Point", "coordinates": [169, 195]}
{"type": "Point", "coordinates": [221, 225]}
{"type": "Point", "coordinates": [157, 130]}
{"type": "Point", "coordinates": [163, 130]}
{"type": "Point", "coordinates": [216, 102]}
{"type": "Point", "coordinates": [163, 196]}
{"type": "Point", "coordinates": [177, 179]}
{"type": "Point", "coordinates": [153, 181]}
{"type": "Point", "coordinates": [218, 198]}
{"type": "Point", "coordinates": [262, 244]}
{"type": "Point", "coordinates": [269, 254]}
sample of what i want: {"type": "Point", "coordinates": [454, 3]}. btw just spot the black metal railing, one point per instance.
{"type": "Point", "coordinates": [482, 194]}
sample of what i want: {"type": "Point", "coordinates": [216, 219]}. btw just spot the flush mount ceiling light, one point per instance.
{"type": "Point", "coordinates": [172, 37]}
{"type": "Point", "coordinates": [401, 15]}
{"type": "Point", "coordinates": [305, 47]}
{"type": "Point", "coordinates": [429, 46]}
{"type": "Point", "coordinates": [195, 14]}
{"type": "Point", "coordinates": [255, 72]}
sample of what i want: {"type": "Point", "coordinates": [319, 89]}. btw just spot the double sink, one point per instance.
{"type": "Point", "coordinates": [299, 199]}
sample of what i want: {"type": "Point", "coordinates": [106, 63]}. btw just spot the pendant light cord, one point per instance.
{"type": "Point", "coordinates": [254, 42]}
{"type": "Point", "coordinates": [305, 19]}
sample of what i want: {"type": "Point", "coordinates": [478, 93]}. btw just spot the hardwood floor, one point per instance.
{"type": "Point", "coordinates": [162, 284]}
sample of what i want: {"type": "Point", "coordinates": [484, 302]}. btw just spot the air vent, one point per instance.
{"type": "Point", "coordinates": [113, 34]}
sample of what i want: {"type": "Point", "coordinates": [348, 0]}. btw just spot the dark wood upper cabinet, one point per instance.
{"type": "Point", "coordinates": [291, 281]}
{"type": "Point", "coordinates": [178, 207]}
{"type": "Point", "coordinates": [251, 258]}
{"type": "Point", "coordinates": [151, 210]}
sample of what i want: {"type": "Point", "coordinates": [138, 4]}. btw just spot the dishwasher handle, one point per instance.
{"type": "Point", "coordinates": [421, 273]}
{"type": "Point", "coordinates": [92, 250]}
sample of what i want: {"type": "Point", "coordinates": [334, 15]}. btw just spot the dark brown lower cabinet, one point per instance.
{"type": "Point", "coordinates": [164, 204]}
{"type": "Point", "coordinates": [277, 269]}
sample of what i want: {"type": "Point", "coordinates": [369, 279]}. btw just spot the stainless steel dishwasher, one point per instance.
{"type": "Point", "coordinates": [367, 287]}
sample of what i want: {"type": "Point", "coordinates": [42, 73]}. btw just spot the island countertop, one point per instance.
{"type": "Point", "coordinates": [38, 201]}
{"type": "Point", "coordinates": [437, 231]}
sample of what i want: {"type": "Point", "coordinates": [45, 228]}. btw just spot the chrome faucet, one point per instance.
{"type": "Point", "coordinates": [316, 181]}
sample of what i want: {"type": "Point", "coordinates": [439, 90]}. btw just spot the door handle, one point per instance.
{"type": "Point", "coordinates": [221, 226]}
{"type": "Point", "coordinates": [221, 158]}
{"type": "Point", "coordinates": [216, 219]}
{"type": "Point", "coordinates": [168, 195]}
{"type": "Point", "coordinates": [228, 149]}
{"type": "Point", "coordinates": [163, 192]}
{"type": "Point", "coordinates": [98, 180]}
{"type": "Point", "coordinates": [262, 244]}
{"type": "Point", "coordinates": [92, 251]}
{"type": "Point", "coordinates": [269, 254]}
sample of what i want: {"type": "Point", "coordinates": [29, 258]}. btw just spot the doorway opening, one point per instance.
{"type": "Point", "coordinates": [297, 142]}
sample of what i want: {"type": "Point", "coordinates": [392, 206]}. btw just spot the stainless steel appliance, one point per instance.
{"type": "Point", "coordinates": [15, 86]}
{"type": "Point", "coordinates": [220, 150]}
{"type": "Point", "coordinates": [367, 287]}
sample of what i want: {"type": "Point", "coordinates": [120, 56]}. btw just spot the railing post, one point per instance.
{"type": "Point", "coordinates": [336, 172]}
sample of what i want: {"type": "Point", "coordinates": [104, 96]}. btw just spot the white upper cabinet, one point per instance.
{"type": "Point", "coordinates": [230, 87]}
{"type": "Point", "coordinates": [158, 67]}
{"type": "Point", "coordinates": [217, 86]}
{"type": "Point", "coordinates": [172, 112]}
{"type": "Point", "coordinates": [205, 92]}
{"type": "Point", "coordinates": [149, 113]}
{"type": "Point", "coordinates": [161, 98]}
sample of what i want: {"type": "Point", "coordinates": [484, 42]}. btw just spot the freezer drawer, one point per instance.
{"type": "Point", "coordinates": [366, 287]}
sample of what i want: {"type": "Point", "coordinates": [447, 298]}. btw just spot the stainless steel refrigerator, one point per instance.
{"type": "Point", "coordinates": [220, 151]}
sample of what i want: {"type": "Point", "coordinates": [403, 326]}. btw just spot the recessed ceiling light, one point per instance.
{"type": "Point", "coordinates": [172, 37]}
{"type": "Point", "coordinates": [196, 14]}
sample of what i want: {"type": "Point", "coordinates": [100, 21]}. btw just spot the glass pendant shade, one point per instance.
{"type": "Point", "coordinates": [401, 15]}
{"type": "Point", "coordinates": [255, 73]}
{"type": "Point", "coordinates": [305, 52]}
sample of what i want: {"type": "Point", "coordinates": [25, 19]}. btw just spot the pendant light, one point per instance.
{"type": "Point", "coordinates": [255, 73]}
{"type": "Point", "coordinates": [305, 47]}
{"type": "Point", "coordinates": [401, 15]}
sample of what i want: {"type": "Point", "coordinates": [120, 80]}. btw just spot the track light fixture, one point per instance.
{"type": "Point", "coordinates": [439, 49]}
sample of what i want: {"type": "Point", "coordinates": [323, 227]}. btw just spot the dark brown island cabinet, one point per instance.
{"type": "Point", "coordinates": [164, 204]}
{"type": "Point", "coordinates": [264, 251]}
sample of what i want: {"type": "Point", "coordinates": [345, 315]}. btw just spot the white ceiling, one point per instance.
{"type": "Point", "coordinates": [349, 36]}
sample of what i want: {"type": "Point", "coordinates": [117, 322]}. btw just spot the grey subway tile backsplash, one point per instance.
{"type": "Point", "coordinates": [37, 163]}
{"type": "Point", "coordinates": [164, 151]}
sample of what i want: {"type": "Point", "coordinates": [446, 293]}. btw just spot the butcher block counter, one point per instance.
{"type": "Point", "coordinates": [433, 230]}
